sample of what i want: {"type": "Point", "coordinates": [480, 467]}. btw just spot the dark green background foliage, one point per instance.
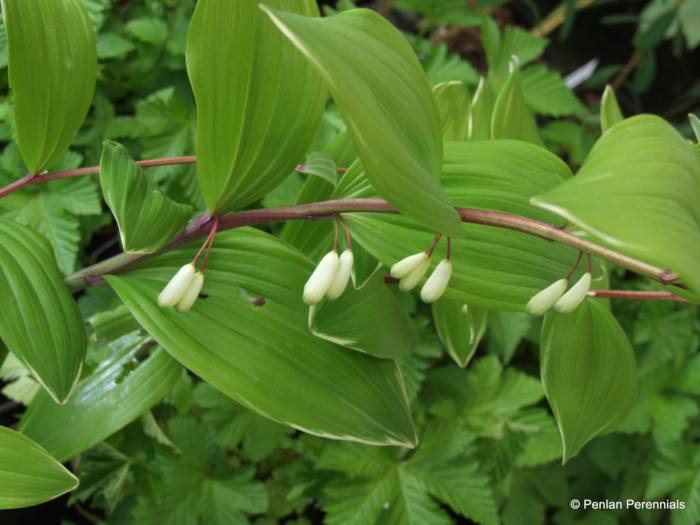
{"type": "Point", "coordinates": [490, 449]}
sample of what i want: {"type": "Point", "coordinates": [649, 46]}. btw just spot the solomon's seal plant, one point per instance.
{"type": "Point", "coordinates": [302, 127]}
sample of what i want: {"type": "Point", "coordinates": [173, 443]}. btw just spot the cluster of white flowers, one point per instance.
{"type": "Point", "coordinates": [554, 296]}
{"type": "Point", "coordinates": [183, 289]}
{"type": "Point", "coordinates": [330, 278]}
{"type": "Point", "coordinates": [413, 268]}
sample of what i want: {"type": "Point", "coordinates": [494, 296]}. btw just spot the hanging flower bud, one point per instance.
{"type": "Point", "coordinates": [319, 282]}
{"type": "Point", "coordinates": [410, 281]}
{"type": "Point", "coordinates": [575, 296]}
{"type": "Point", "coordinates": [435, 286]}
{"type": "Point", "coordinates": [176, 288]}
{"type": "Point", "coordinates": [405, 266]}
{"type": "Point", "coordinates": [342, 276]}
{"type": "Point", "coordinates": [543, 301]}
{"type": "Point", "coordinates": [191, 294]}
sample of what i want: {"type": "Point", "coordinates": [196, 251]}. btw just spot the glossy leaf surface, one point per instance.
{"type": "Point", "coordinates": [639, 191]}
{"type": "Point", "coordinates": [453, 102]}
{"type": "Point", "coordinates": [40, 321]}
{"type": "Point", "coordinates": [492, 267]}
{"type": "Point", "coordinates": [147, 219]}
{"type": "Point", "coordinates": [368, 319]}
{"type": "Point", "coordinates": [589, 373]}
{"type": "Point", "coordinates": [117, 392]}
{"type": "Point", "coordinates": [610, 112]}
{"type": "Point", "coordinates": [460, 328]}
{"type": "Point", "coordinates": [258, 100]}
{"type": "Point", "coordinates": [512, 118]}
{"type": "Point", "coordinates": [264, 357]}
{"type": "Point", "coordinates": [52, 72]}
{"type": "Point", "coordinates": [385, 99]}
{"type": "Point", "coordinates": [28, 474]}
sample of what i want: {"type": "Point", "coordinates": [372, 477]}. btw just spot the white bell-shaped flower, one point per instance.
{"type": "Point", "coordinates": [342, 275]}
{"type": "Point", "coordinates": [406, 266]}
{"type": "Point", "coordinates": [575, 296]}
{"type": "Point", "coordinates": [319, 282]}
{"type": "Point", "coordinates": [542, 301]}
{"type": "Point", "coordinates": [436, 284]}
{"type": "Point", "coordinates": [410, 281]}
{"type": "Point", "coordinates": [176, 288]}
{"type": "Point", "coordinates": [191, 294]}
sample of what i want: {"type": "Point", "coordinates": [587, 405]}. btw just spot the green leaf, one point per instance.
{"type": "Point", "coordinates": [442, 66]}
{"type": "Point", "coordinates": [322, 165]}
{"type": "Point", "coordinates": [104, 472]}
{"type": "Point", "coordinates": [255, 120]}
{"type": "Point", "coordinates": [639, 191]}
{"type": "Point", "coordinates": [695, 124]}
{"type": "Point", "coordinates": [147, 219]}
{"type": "Point", "coordinates": [589, 373]}
{"type": "Point", "coordinates": [165, 126]}
{"type": "Point", "coordinates": [235, 425]}
{"type": "Point", "coordinates": [460, 328]}
{"type": "Point", "coordinates": [453, 104]}
{"type": "Point", "coordinates": [40, 323]}
{"type": "Point", "coordinates": [260, 355]}
{"type": "Point", "coordinates": [117, 392]}
{"type": "Point", "coordinates": [52, 72]}
{"type": "Point", "coordinates": [368, 319]}
{"type": "Point", "coordinates": [500, 47]}
{"type": "Point", "coordinates": [53, 210]}
{"type": "Point", "coordinates": [385, 99]}
{"type": "Point", "coordinates": [20, 386]}
{"type": "Point", "coordinates": [511, 117]}
{"type": "Point", "coordinates": [546, 92]}
{"type": "Point", "coordinates": [375, 487]}
{"type": "Point", "coordinates": [492, 267]}
{"type": "Point", "coordinates": [486, 396]}
{"type": "Point", "coordinates": [506, 330]}
{"type": "Point", "coordinates": [481, 111]}
{"type": "Point", "coordinates": [28, 474]}
{"type": "Point", "coordinates": [184, 488]}
{"type": "Point", "coordinates": [610, 112]}
{"type": "Point", "coordinates": [676, 473]}
{"type": "Point", "coordinates": [149, 30]}
{"type": "Point", "coordinates": [653, 35]}
{"type": "Point", "coordinates": [111, 45]}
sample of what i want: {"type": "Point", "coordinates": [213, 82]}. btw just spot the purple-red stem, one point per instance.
{"type": "Point", "coordinates": [30, 179]}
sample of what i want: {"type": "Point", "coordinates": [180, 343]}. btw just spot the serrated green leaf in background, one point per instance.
{"type": "Point", "coordinates": [639, 191]}
{"type": "Point", "coordinates": [264, 357]}
{"type": "Point", "coordinates": [368, 319]}
{"type": "Point", "coordinates": [589, 373]}
{"type": "Point", "coordinates": [52, 73]}
{"type": "Point", "coordinates": [385, 99]}
{"type": "Point", "coordinates": [610, 112]}
{"type": "Point", "coordinates": [460, 328]}
{"type": "Point", "coordinates": [546, 92]}
{"type": "Point", "coordinates": [28, 474]}
{"type": "Point", "coordinates": [147, 219]}
{"type": "Point", "coordinates": [40, 321]}
{"type": "Point", "coordinates": [511, 117]}
{"type": "Point", "coordinates": [118, 391]}
{"type": "Point", "coordinates": [453, 103]}
{"type": "Point", "coordinates": [258, 100]}
{"type": "Point", "coordinates": [501, 46]}
{"type": "Point", "coordinates": [374, 486]}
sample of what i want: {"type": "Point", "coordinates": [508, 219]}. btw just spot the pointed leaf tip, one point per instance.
{"type": "Point", "coordinates": [384, 97]}
{"type": "Point", "coordinates": [589, 373]}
